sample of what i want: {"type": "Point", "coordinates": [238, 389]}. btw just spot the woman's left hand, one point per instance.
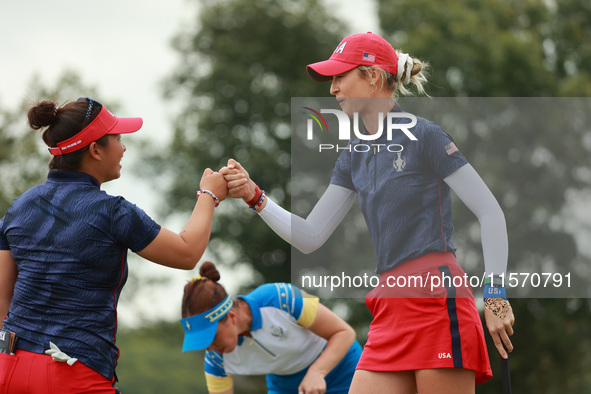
{"type": "Point", "coordinates": [499, 321]}
{"type": "Point", "coordinates": [313, 383]}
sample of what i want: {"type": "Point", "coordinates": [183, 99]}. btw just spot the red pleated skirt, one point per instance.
{"type": "Point", "coordinates": [422, 326]}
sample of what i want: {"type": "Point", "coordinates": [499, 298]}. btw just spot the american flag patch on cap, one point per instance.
{"type": "Point", "coordinates": [369, 57]}
{"type": "Point", "coordinates": [451, 148]}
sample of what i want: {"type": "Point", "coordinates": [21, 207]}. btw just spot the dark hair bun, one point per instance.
{"type": "Point", "coordinates": [209, 271]}
{"type": "Point", "coordinates": [41, 115]}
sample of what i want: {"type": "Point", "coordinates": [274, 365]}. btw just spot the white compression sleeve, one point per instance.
{"type": "Point", "coordinates": [309, 234]}
{"type": "Point", "coordinates": [473, 192]}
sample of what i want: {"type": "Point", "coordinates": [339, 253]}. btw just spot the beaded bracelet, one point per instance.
{"type": "Point", "coordinates": [215, 199]}
{"type": "Point", "coordinates": [259, 202]}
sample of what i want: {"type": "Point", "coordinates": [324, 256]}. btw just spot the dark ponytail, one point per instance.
{"type": "Point", "coordinates": [203, 293]}
{"type": "Point", "coordinates": [62, 123]}
{"type": "Point", "coordinates": [42, 115]}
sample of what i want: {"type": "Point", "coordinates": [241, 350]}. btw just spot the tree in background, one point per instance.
{"type": "Point", "coordinates": [239, 68]}
{"type": "Point", "coordinates": [476, 49]}
{"type": "Point", "coordinates": [505, 48]}
{"type": "Point", "coordinates": [568, 42]}
{"type": "Point", "coordinates": [151, 361]}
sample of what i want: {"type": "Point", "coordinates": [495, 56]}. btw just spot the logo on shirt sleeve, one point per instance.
{"type": "Point", "coordinates": [451, 148]}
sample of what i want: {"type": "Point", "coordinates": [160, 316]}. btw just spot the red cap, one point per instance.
{"type": "Point", "coordinates": [104, 123]}
{"type": "Point", "coordinates": [365, 49]}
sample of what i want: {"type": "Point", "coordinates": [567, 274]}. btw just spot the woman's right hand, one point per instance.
{"type": "Point", "coordinates": [239, 183]}
{"type": "Point", "coordinates": [215, 183]}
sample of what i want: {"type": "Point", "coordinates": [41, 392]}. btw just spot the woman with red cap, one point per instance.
{"type": "Point", "coordinates": [63, 254]}
{"type": "Point", "coordinates": [426, 342]}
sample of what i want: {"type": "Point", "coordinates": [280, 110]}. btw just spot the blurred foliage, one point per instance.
{"type": "Point", "coordinates": [151, 361]}
{"type": "Point", "coordinates": [552, 348]}
{"type": "Point", "coordinates": [239, 69]}
{"type": "Point", "coordinates": [496, 48]}
{"type": "Point", "coordinates": [476, 48]}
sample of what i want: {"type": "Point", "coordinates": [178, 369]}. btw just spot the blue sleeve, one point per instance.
{"type": "Point", "coordinates": [440, 152]}
{"type": "Point", "coordinates": [214, 364]}
{"type": "Point", "coordinates": [284, 296]}
{"type": "Point", "coordinates": [132, 226]}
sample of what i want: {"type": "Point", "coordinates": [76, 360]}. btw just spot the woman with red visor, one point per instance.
{"type": "Point", "coordinates": [63, 254]}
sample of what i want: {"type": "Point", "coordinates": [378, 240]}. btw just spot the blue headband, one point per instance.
{"type": "Point", "coordinates": [200, 329]}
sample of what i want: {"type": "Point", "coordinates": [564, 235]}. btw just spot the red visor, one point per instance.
{"type": "Point", "coordinates": [104, 123]}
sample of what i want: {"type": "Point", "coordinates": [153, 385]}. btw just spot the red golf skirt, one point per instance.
{"type": "Point", "coordinates": [419, 325]}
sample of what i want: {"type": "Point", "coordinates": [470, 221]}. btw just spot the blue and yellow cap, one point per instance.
{"type": "Point", "coordinates": [200, 329]}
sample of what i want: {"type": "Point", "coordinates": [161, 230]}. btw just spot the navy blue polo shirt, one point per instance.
{"type": "Point", "coordinates": [69, 240]}
{"type": "Point", "coordinates": [405, 202]}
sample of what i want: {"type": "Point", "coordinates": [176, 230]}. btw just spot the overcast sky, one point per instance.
{"type": "Point", "coordinates": [122, 47]}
